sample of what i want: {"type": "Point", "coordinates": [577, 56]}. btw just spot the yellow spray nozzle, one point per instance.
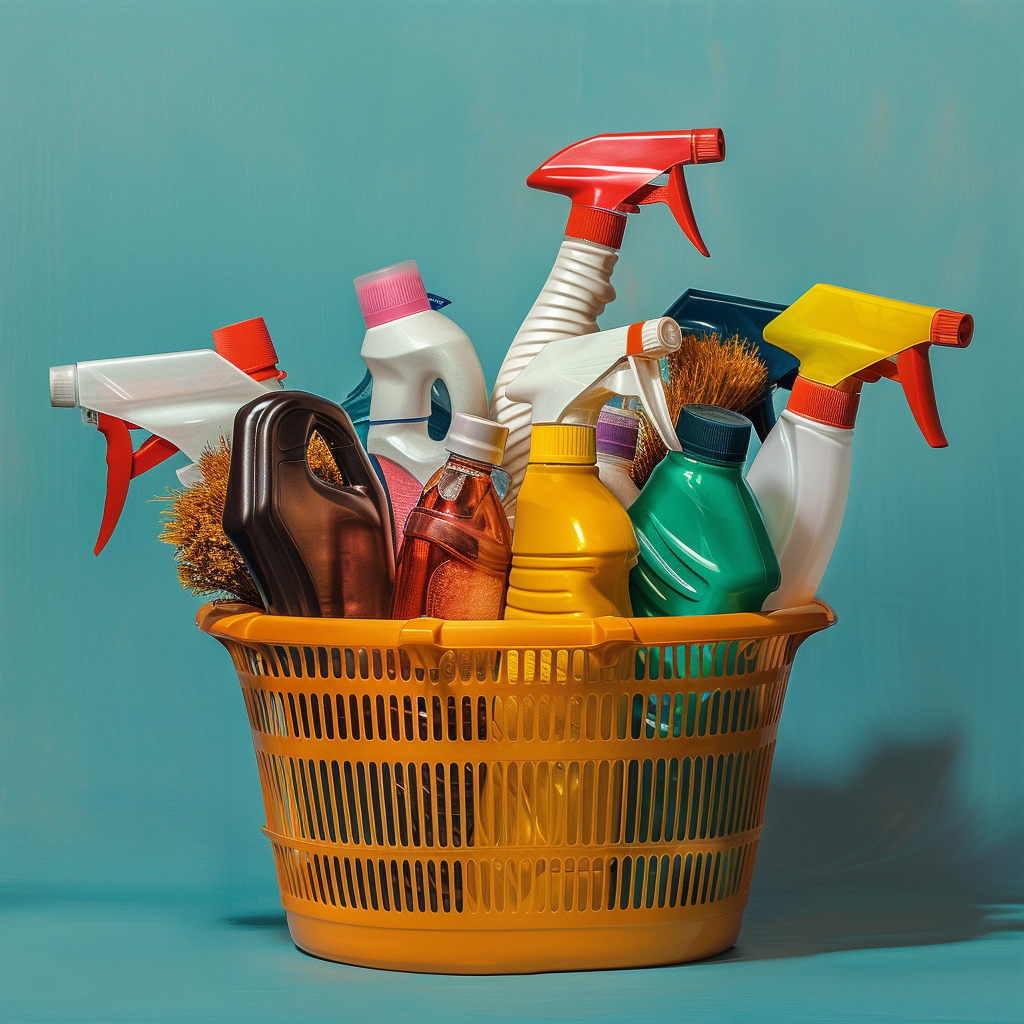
{"type": "Point", "coordinates": [837, 334]}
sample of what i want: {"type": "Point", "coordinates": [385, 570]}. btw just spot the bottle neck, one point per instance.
{"type": "Point", "coordinates": [457, 461]}
{"type": "Point", "coordinates": [831, 406]}
{"type": "Point", "coordinates": [704, 462]}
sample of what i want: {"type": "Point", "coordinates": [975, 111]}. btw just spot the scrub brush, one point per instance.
{"type": "Point", "coordinates": [704, 371]}
{"type": "Point", "coordinates": [208, 563]}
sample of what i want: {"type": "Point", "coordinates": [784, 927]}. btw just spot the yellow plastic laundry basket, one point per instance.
{"type": "Point", "coordinates": [509, 797]}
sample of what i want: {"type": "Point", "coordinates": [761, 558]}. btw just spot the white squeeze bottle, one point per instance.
{"type": "Point", "coordinates": [407, 347]}
{"type": "Point", "coordinates": [801, 479]}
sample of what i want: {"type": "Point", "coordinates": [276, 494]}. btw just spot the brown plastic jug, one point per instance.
{"type": "Point", "coordinates": [313, 549]}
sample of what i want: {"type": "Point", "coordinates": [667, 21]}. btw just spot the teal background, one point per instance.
{"type": "Point", "coordinates": [166, 169]}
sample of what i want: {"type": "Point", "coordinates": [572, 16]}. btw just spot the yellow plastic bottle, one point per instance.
{"type": "Point", "coordinates": [574, 545]}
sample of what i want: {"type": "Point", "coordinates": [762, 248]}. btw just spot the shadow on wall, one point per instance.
{"type": "Point", "coordinates": [883, 861]}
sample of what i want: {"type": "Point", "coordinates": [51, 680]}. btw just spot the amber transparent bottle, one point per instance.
{"type": "Point", "coordinates": [458, 544]}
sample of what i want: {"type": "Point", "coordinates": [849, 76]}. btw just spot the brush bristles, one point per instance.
{"type": "Point", "coordinates": [702, 371]}
{"type": "Point", "coordinates": [208, 563]}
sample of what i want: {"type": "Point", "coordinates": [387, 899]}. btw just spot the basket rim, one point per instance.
{"type": "Point", "coordinates": [232, 621]}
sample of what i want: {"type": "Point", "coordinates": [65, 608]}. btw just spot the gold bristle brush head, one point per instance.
{"type": "Point", "coordinates": [702, 371]}
{"type": "Point", "coordinates": [208, 563]}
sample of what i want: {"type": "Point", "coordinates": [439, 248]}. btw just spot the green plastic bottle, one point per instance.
{"type": "Point", "coordinates": [704, 549]}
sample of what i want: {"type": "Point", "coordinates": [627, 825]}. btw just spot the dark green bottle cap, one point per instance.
{"type": "Point", "coordinates": [711, 433]}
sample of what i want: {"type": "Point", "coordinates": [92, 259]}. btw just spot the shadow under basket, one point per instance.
{"type": "Point", "coordinates": [511, 797]}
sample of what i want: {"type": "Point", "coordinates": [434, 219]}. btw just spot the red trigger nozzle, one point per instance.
{"type": "Point", "coordinates": [610, 176]}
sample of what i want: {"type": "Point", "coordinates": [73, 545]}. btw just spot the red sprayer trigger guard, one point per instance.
{"type": "Point", "coordinates": [119, 474]}
{"type": "Point", "coordinates": [675, 196]}
{"type": "Point", "coordinates": [913, 373]}
{"type": "Point", "coordinates": [916, 378]}
{"type": "Point", "coordinates": [152, 452]}
{"type": "Point", "coordinates": [123, 465]}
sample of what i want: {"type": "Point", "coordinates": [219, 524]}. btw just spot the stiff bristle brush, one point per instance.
{"type": "Point", "coordinates": [208, 563]}
{"type": "Point", "coordinates": [704, 370]}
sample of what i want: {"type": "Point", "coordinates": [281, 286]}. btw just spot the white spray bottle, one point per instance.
{"type": "Point", "coordinates": [573, 544]}
{"type": "Point", "coordinates": [186, 400]}
{"type": "Point", "coordinates": [408, 346]}
{"type": "Point", "coordinates": [606, 177]}
{"type": "Point", "coordinates": [801, 475]}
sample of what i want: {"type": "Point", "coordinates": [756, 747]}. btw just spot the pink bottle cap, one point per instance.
{"type": "Point", "coordinates": [391, 293]}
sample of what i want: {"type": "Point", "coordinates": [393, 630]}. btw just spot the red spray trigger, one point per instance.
{"type": "Point", "coordinates": [914, 373]}
{"type": "Point", "coordinates": [119, 474]}
{"type": "Point", "coordinates": [123, 465]}
{"type": "Point", "coordinates": [675, 196]}
{"type": "Point", "coordinates": [609, 175]}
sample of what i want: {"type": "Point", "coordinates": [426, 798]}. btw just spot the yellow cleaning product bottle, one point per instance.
{"type": "Point", "coordinates": [573, 545]}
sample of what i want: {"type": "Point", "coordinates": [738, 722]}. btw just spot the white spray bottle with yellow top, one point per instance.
{"type": "Point", "coordinates": [573, 544]}
{"type": "Point", "coordinates": [801, 475]}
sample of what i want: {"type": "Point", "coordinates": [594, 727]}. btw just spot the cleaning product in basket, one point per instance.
{"type": "Point", "coordinates": [407, 348]}
{"type": "Point", "coordinates": [703, 546]}
{"type": "Point", "coordinates": [606, 177]}
{"type": "Point", "coordinates": [704, 370]}
{"type": "Point", "coordinates": [728, 316]}
{"type": "Point", "coordinates": [312, 548]}
{"type": "Point", "coordinates": [573, 545]}
{"type": "Point", "coordinates": [208, 563]}
{"type": "Point", "coordinates": [801, 475]}
{"type": "Point", "coordinates": [458, 545]}
{"type": "Point", "coordinates": [617, 430]}
{"type": "Point", "coordinates": [186, 400]}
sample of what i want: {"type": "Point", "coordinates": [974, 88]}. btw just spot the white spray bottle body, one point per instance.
{"type": "Point", "coordinates": [575, 294]}
{"type": "Point", "coordinates": [801, 479]}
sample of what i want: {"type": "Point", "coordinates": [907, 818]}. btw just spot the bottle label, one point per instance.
{"type": "Point", "coordinates": [460, 591]}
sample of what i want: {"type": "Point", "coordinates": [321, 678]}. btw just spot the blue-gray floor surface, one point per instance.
{"type": "Point", "coordinates": [844, 956]}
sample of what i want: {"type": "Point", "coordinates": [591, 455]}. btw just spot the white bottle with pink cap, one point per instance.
{"type": "Point", "coordinates": [407, 347]}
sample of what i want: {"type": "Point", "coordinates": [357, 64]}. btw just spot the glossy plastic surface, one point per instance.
{"type": "Point", "coordinates": [509, 797]}
{"type": "Point", "coordinates": [578, 287]}
{"type": "Point", "coordinates": [313, 549]}
{"type": "Point", "coordinates": [613, 173]}
{"type": "Point", "coordinates": [837, 333]}
{"type": "Point", "coordinates": [703, 545]}
{"type": "Point", "coordinates": [573, 545]}
{"type": "Point", "coordinates": [186, 400]}
{"type": "Point", "coordinates": [455, 560]}
{"type": "Point", "coordinates": [406, 356]}
{"type": "Point", "coordinates": [573, 297]}
{"type": "Point", "coordinates": [801, 479]}
{"type": "Point", "coordinates": [569, 382]}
